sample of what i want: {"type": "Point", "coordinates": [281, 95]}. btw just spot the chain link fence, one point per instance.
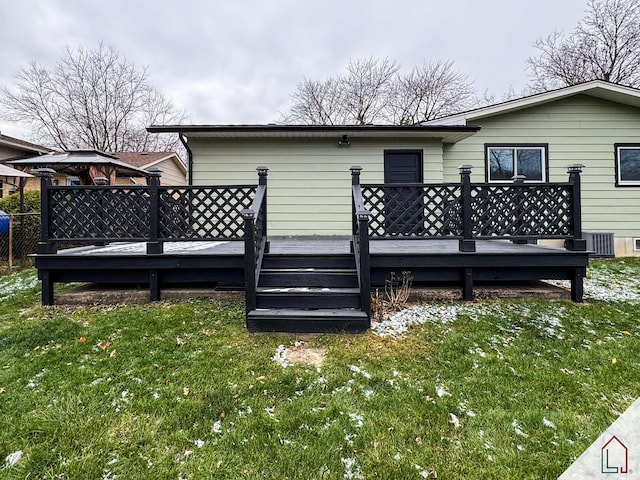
{"type": "Point", "coordinates": [19, 236]}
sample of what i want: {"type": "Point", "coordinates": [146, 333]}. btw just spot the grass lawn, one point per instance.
{"type": "Point", "coordinates": [492, 389]}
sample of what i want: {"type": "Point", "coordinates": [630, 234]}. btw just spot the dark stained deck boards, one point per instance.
{"type": "Point", "coordinates": [221, 264]}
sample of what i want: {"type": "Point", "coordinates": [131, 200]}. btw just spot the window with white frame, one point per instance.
{"type": "Point", "coordinates": [636, 244]}
{"type": "Point", "coordinates": [505, 161]}
{"type": "Point", "coordinates": [627, 164]}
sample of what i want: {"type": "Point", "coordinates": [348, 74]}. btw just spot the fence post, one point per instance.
{"type": "Point", "coordinates": [262, 180]}
{"type": "Point", "coordinates": [576, 243]}
{"type": "Point", "coordinates": [466, 243]}
{"type": "Point", "coordinates": [250, 260]}
{"type": "Point", "coordinates": [45, 245]}
{"type": "Point", "coordinates": [154, 246]}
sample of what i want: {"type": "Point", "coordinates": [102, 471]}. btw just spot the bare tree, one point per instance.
{"type": "Point", "coordinates": [433, 90]}
{"type": "Point", "coordinates": [366, 89]}
{"type": "Point", "coordinates": [605, 45]}
{"type": "Point", "coordinates": [374, 91]}
{"type": "Point", "coordinates": [90, 99]}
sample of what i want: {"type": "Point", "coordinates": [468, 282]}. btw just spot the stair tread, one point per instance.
{"type": "Point", "coordinates": [308, 270]}
{"type": "Point", "coordinates": [295, 312]}
{"type": "Point", "coordinates": [308, 290]}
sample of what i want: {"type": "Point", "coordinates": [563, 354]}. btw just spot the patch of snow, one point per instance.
{"type": "Point", "coordinates": [12, 285]}
{"type": "Point", "coordinates": [357, 419]}
{"type": "Point", "coordinates": [351, 470]}
{"type": "Point", "coordinates": [217, 427]}
{"type": "Point", "coordinates": [441, 391]}
{"type": "Point", "coordinates": [548, 423]}
{"type": "Point", "coordinates": [397, 325]}
{"type": "Point", "coordinates": [454, 420]}
{"type": "Point", "coordinates": [199, 443]}
{"type": "Point", "coordinates": [13, 458]}
{"type": "Point", "coordinates": [280, 356]}
{"type": "Point", "coordinates": [356, 369]}
{"type": "Point", "coordinates": [518, 429]}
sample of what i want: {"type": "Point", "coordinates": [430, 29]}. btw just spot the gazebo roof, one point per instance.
{"type": "Point", "coordinates": [75, 161]}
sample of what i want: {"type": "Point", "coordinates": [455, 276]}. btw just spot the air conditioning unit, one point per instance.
{"type": "Point", "coordinates": [601, 243]}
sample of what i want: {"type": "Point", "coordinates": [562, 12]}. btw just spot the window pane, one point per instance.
{"type": "Point", "coordinates": [629, 164]}
{"type": "Point", "coordinates": [500, 164]}
{"type": "Point", "coordinates": [530, 163]}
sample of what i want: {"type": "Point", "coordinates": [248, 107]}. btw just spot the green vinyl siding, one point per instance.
{"type": "Point", "coordinates": [580, 129]}
{"type": "Point", "coordinates": [309, 181]}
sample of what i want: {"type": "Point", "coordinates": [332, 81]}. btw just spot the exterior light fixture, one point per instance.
{"type": "Point", "coordinates": [345, 141]}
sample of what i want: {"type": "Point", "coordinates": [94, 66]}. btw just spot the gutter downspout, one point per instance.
{"type": "Point", "coordinates": [183, 140]}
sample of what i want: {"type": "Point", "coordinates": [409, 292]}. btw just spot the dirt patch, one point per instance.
{"type": "Point", "coordinates": [91, 294]}
{"type": "Point", "coordinates": [303, 354]}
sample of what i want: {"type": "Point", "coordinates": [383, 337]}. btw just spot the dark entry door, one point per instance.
{"type": "Point", "coordinates": [404, 203]}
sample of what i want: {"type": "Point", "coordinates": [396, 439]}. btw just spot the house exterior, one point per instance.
{"type": "Point", "coordinates": [309, 177]}
{"type": "Point", "coordinates": [174, 171]}
{"type": "Point", "coordinates": [596, 124]}
{"type": "Point", "coordinates": [13, 149]}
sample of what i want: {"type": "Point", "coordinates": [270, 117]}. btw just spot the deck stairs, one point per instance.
{"type": "Point", "coordinates": [308, 294]}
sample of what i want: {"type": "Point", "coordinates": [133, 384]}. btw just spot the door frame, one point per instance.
{"type": "Point", "coordinates": [387, 161]}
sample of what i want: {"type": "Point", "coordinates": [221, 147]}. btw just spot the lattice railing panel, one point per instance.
{"type": "Point", "coordinates": [413, 210]}
{"type": "Point", "coordinates": [105, 213]}
{"type": "Point", "coordinates": [522, 210]}
{"type": "Point", "coordinates": [203, 213]}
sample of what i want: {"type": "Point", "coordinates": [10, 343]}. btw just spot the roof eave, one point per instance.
{"type": "Point", "coordinates": [446, 133]}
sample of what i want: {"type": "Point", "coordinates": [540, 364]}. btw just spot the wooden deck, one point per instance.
{"type": "Point", "coordinates": [221, 264]}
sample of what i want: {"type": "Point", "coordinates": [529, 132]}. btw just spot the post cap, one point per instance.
{"type": "Point", "coordinates": [101, 180]}
{"type": "Point", "coordinates": [248, 214]}
{"type": "Point", "coordinates": [154, 172]}
{"type": "Point", "coordinates": [355, 169]}
{"type": "Point", "coordinates": [465, 169]}
{"type": "Point", "coordinates": [519, 178]}
{"type": "Point", "coordinates": [575, 168]}
{"type": "Point", "coordinates": [262, 170]}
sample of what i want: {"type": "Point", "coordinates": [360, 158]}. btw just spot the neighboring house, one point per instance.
{"type": "Point", "coordinates": [596, 124]}
{"type": "Point", "coordinates": [13, 149]}
{"type": "Point", "coordinates": [174, 171]}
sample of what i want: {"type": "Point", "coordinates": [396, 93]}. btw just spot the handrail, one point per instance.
{"type": "Point", "coordinates": [255, 239]}
{"type": "Point", "coordinates": [360, 242]}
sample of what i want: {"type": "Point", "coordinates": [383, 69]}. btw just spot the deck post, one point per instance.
{"type": "Point", "coordinates": [576, 243]}
{"type": "Point", "coordinates": [467, 289]}
{"type": "Point", "coordinates": [250, 260]}
{"type": "Point", "coordinates": [466, 243]}
{"type": "Point", "coordinates": [262, 180]}
{"type": "Point", "coordinates": [519, 180]}
{"type": "Point", "coordinates": [45, 245]}
{"type": "Point", "coordinates": [355, 180]}
{"type": "Point", "coordinates": [364, 261]}
{"type": "Point", "coordinates": [577, 284]}
{"type": "Point", "coordinates": [101, 182]}
{"type": "Point", "coordinates": [154, 246]}
{"type": "Point", "coordinates": [154, 286]}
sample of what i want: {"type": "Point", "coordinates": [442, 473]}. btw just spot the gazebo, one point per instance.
{"type": "Point", "coordinates": [87, 165]}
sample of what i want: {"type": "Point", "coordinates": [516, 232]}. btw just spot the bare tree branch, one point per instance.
{"type": "Point", "coordinates": [90, 99]}
{"type": "Point", "coordinates": [374, 91]}
{"type": "Point", "coordinates": [605, 45]}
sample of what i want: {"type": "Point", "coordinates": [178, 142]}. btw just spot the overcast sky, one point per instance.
{"type": "Point", "coordinates": [238, 61]}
